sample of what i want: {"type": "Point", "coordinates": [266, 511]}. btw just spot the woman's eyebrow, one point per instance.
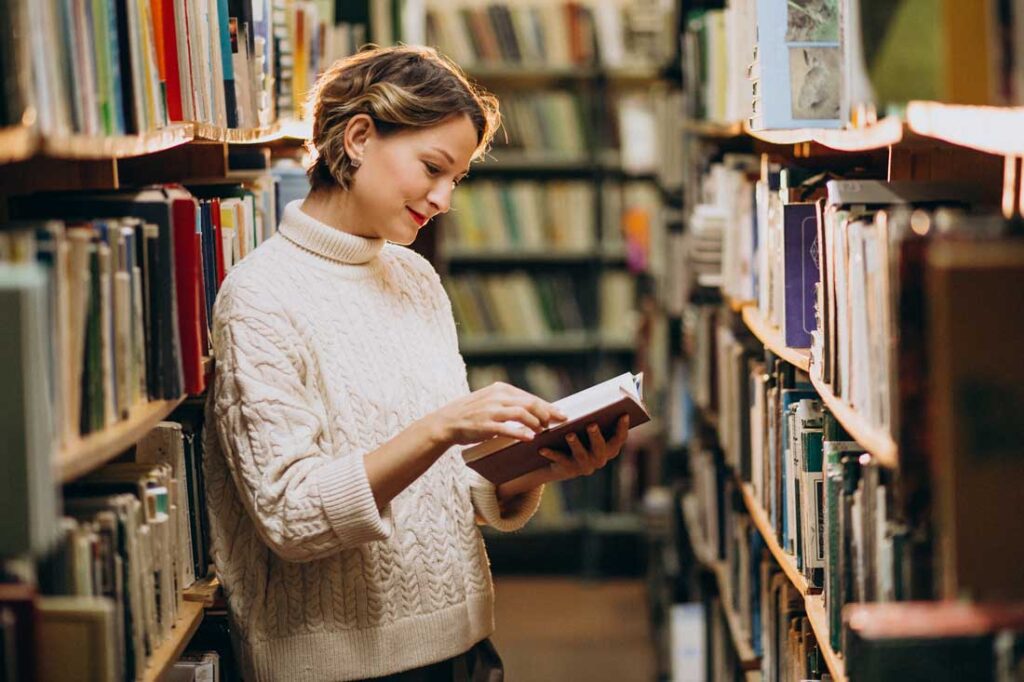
{"type": "Point", "coordinates": [448, 156]}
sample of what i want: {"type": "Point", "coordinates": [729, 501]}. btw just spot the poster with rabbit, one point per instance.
{"type": "Point", "coordinates": [801, 65]}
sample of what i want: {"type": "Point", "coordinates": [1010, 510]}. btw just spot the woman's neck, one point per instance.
{"type": "Point", "coordinates": [334, 209]}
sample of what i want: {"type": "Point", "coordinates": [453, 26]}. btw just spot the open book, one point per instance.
{"type": "Point", "coordinates": [502, 458]}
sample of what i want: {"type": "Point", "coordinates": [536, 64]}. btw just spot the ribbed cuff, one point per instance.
{"type": "Point", "coordinates": [485, 501]}
{"type": "Point", "coordinates": [348, 501]}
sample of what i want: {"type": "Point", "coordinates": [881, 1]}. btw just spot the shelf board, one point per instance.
{"type": "Point", "coordinates": [786, 561]}
{"type": "Point", "coordinates": [996, 130]}
{"type": "Point", "coordinates": [212, 133]}
{"type": "Point", "coordinates": [117, 146]}
{"type": "Point", "coordinates": [205, 591]}
{"type": "Point", "coordinates": [874, 440]}
{"type": "Point", "coordinates": [17, 143]}
{"type": "Point", "coordinates": [169, 652]}
{"type": "Point", "coordinates": [561, 343]}
{"type": "Point", "coordinates": [885, 133]}
{"type": "Point", "coordinates": [554, 255]}
{"type": "Point", "coordinates": [713, 129]}
{"type": "Point", "coordinates": [773, 340]}
{"type": "Point", "coordinates": [814, 606]}
{"type": "Point", "coordinates": [507, 160]}
{"type": "Point", "coordinates": [814, 603]}
{"type": "Point", "coordinates": [96, 449]}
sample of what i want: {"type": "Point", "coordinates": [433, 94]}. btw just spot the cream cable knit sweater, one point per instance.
{"type": "Point", "coordinates": [327, 345]}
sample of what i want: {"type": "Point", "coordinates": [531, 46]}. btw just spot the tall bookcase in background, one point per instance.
{"type": "Point", "coordinates": [845, 493]}
{"type": "Point", "coordinates": [553, 241]}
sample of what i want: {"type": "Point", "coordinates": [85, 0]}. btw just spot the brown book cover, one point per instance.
{"type": "Point", "coordinates": [501, 458]}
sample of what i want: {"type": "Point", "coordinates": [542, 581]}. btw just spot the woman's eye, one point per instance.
{"type": "Point", "coordinates": [431, 168]}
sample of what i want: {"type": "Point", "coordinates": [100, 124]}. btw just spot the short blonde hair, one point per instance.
{"type": "Point", "coordinates": [399, 88]}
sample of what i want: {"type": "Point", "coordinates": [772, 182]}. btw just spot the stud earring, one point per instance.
{"type": "Point", "coordinates": [356, 163]}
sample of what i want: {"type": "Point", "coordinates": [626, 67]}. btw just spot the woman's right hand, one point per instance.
{"type": "Point", "coordinates": [497, 410]}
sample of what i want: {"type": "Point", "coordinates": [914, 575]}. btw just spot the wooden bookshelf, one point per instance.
{"type": "Point", "coordinates": [773, 340]}
{"type": "Point", "coordinates": [996, 130]}
{"type": "Point", "coordinates": [885, 133]}
{"type": "Point", "coordinates": [554, 255]}
{"type": "Point", "coordinates": [555, 344]}
{"type": "Point", "coordinates": [205, 591]}
{"type": "Point", "coordinates": [117, 146]}
{"type": "Point", "coordinates": [527, 74]}
{"type": "Point", "coordinates": [874, 440]}
{"type": "Point", "coordinates": [98, 448]}
{"type": "Point", "coordinates": [814, 603]}
{"type": "Point", "coordinates": [212, 133]}
{"type": "Point", "coordinates": [170, 651]}
{"type": "Point", "coordinates": [760, 518]}
{"type": "Point", "coordinates": [712, 129]}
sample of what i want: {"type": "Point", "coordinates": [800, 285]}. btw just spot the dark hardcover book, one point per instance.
{"type": "Point", "coordinates": [132, 118]}
{"type": "Point", "coordinates": [188, 279]}
{"type": "Point", "coordinates": [502, 458]}
{"type": "Point", "coordinates": [800, 229]}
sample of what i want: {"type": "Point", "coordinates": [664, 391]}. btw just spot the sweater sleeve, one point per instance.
{"type": "Point", "coordinates": [307, 495]}
{"type": "Point", "coordinates": [513, 516]}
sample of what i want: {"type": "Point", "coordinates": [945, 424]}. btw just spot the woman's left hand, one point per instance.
{"type": "Point", "coordinates": [580, 461]}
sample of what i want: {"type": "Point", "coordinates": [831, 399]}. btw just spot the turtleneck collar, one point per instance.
{"type": "Point", "coordinates": [324, 240]}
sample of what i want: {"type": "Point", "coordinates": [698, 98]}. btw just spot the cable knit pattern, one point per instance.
{"type": "Point", "coordinates": [327, 345]}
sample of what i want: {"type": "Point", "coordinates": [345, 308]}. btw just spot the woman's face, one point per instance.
{"type": "Point", "coordinates": [406, 178]}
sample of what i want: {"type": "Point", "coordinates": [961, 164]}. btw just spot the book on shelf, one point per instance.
{"type": "Point", "coordinates": [561, 35]}
{"type": "Point", "coordinates": [78, 636]}
{"type": "Point", "coordinates": [800, 67]}
{"type": "Point", "coordinates": [29, 505]}
{"type": "Point", "coordinates": [196, 666]}
{"type": "Point", "coordinates": [502, 458]}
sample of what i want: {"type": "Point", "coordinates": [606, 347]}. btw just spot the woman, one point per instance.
{"type": "Point", "coordinates": [343, 518]}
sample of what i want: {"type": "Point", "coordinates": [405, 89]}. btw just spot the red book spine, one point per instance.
{"type": "Point", "coordinates": [187, 276]}
{"type": "Point", "coordinates": [170, 61]}
{"type": "Point", "coordinates": [219, 239]}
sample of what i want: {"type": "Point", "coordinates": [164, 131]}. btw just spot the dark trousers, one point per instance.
{"type": "Point", "coordinates": [479, 664]}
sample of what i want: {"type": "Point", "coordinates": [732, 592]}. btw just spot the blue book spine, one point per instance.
{"type": "Point", "coordinates": [800, 272]}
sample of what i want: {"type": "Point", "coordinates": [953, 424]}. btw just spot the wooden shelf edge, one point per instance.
{"type": "Point", "coordinates": [761, 520]}
{"type": "Point", "coordinates": [773, 340]}
{"type": "Point", "coordinates": [96, 449]}
{"type": "Point", "coordinates": [168, 653]}
{"type": "Point", "coordinates": [881, 445]}
{"type": "Point", "coordinates": [814, 606]}
{"type": "Point", "coordinates": [885, 133]}
{"type": "Point", "coordinates": [212, 133]}
{"type": "Point", "coordinates": [117, 146]}
{"type": "Point", "coordinates": [713, 129]}
{"type": "Point", "coordinates": [990, 129]}
{"type": "Point", "coordinates": [204, 591]}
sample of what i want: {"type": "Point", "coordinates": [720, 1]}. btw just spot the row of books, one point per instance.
{"type": "Point", "coordinates": [609, 33]}
{"type": "Point", "coordinates": [879, 635]}
{"type": "Point", "coordinates": [546, 123]}
{"type": "Point", "coordinates": [131, 282]}
{"type": "Point", "coordinates": [522, 215]}
{"type": "Point", "coordinates": [110, 68]}
{"type": "Point", "coordinates": [825, 63]}
{"type": "Point", "coordinates": [110, 585]}
{"type": "Point", "coordinates": [517, 306]}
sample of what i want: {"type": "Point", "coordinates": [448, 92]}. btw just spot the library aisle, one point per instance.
{"type": "Point", "coordinates": [565, 628]}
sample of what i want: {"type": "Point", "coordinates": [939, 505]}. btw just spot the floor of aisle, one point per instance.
{"type": "Point", "coordinates": [558, 629]}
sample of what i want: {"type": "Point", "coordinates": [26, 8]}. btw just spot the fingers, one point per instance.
{"type": "Point", "coordinates": [621, 433]}
{"type": "Point", "coordinates": [521, 415]}
{"type": "Point", "coordinates": [584, 462]}
{"type": "Point", "coordinates": [556, 457]}
{"type": "Point", "coordinates": [544, 411]}
{"type": "Point", "coordinates": [511, 429]}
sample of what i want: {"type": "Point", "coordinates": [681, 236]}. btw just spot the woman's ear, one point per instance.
{"type": "Point", "coordinates": [359, 130]}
